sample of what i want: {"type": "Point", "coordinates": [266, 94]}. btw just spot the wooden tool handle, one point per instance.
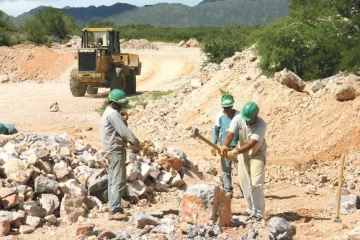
{"type": "Point", "coordinates": [340, 183]}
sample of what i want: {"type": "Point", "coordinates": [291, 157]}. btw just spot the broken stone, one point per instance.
{"type": "Point", "coordinates": [168, 161]}
{"type": "Point", "coordinates": [35, 211]}
{"type": "Point", "coordinates": [45, 185]}
{"type": "Point", "coordinates": [135, 188]}
{"type": "Point", "coordinates": [140, 220]}
{"type": "Point", "coordinates": [13, 216]}
{"type": "Point", "coordinates": [61, 169]}
{"type": "Point", "coordinates": [310, 189]}
{"type": "Point", "coordinates": [49, 202]}
{"type": "Point", "coordinates": [44, 165]}
{"type": "Point", "coordinates": [132, 171]}
{"type": "Point", "coordinates": [317, 86]}
{"type": "Point", "coordinates": [92, 202]}
{"type": "Point", "coordinates": [97, 182]}
{"type": "Point", "coordinates": [121, 235]}
{"type": "Point", "coordinates": [71, 207]}
{"type": "Point", "coordinates": [144, 171]}
{"type": "Point", "coordinates": [54, 107]}
{"type": "Point", "coordinates": [203, 203]}
{"type": "Point", "coordinates": [82, 174]}
{"type": "Point", "coordinates": [177, 181]}
{"type": "Point", "coordinates": [154, 170]}
{"type": "Point", "coordinates": [33, 221]}
{"type": "Point", "coordinates": [73, 188]}
{"type": "Point", "coordinates": [4, 226]}
{"type": "Point", "coordinates": [348, 203]}
{"type": "Point", "coordinates": [279, 228]}
{"type": "Point", "coordinates": [4, 79]}
{"type": "Point", "coordinates": [11, 201]}
{"type": "Point", "coordinates": [164, 177]}
{"type": "Point", "coordinates": [346, 93]}
{"type": "Point", "coordinates": [51, 219]}
{"type": "Point", "coordinates": [290, 79]}
{"type": "Point", "coordinates": [4, 192]}
{"type": "Point", "coordinates": [26, 229]}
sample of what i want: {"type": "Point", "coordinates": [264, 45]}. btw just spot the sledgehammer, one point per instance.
{"type": "Point", "coordinates": [196, 134]}
{"type": "Point", "coordinates": [340, 183]}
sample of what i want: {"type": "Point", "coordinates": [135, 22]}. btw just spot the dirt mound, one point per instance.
{"type": "Point", "coordinates": [299, 123]}
{"type": "Point", "coordinates": [137, 44]}
{"type": "Point", "coordinates": [31, 63]}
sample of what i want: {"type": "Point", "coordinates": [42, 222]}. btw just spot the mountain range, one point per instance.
{"type": "Point", "coordinates": [206, 13]}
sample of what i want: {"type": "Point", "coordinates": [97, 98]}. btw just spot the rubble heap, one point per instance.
{"type": "Point", "coordinates": [137, 44]}
{"type": "Point", "coordinates": [44, 178]}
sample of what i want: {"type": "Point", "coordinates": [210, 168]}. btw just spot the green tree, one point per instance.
{"type": "Point", "coordinates": [53, 20]}
{"type": "Point", "coordinates": [70, 25]}
{"type": "Point", "coordinates": [349, 9]}
{"type": "Point", "coordinates": [223, 45]}
{"type": "Point", "coordinates": [314, 41]}
{"type": "Point", "coordinates": [35, 31]}
{"type": "Point", "coordinates": [8, 31]}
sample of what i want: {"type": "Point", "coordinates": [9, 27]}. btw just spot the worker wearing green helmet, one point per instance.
{"type": "Point", "coordinates": [251, 155]}
{"type": "Point", "coordinates": [7, 129]}
{"type": "Point", "coordinates": [222, 124]}
{"type": "Point", "coordinates": [115, 136]}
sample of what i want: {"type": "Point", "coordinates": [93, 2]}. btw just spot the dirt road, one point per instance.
{"type": "Point", "coordinates": [27, 104]}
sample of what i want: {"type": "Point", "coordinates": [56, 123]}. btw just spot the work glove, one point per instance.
{"type": "Point", "coordinates": [232, 156]}
{"type": "Point", "coordinates": [213, 152]}
{"type": "Point", "coordinates": [224, 150]}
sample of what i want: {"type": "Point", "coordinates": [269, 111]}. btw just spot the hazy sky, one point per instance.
{"type": "Point", "coordinates": [17, 7]}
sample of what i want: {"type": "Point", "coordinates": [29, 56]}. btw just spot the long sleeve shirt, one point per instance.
{"type": "Point", "coordinates": [114, 134]}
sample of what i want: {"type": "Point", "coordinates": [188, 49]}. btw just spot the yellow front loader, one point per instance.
{"type": "Point", "coordinates": [101, 64]}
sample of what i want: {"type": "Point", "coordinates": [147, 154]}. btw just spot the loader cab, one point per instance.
{"type": "Point", "coordinates": [101, 38]}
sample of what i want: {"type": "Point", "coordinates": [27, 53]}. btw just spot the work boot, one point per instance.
{"type": "Point", "coordinates": [245, 213]}
{"type": "Point", "coordinates": [117, 216]}
{"type": "Point", "coordinates": [256, 217]}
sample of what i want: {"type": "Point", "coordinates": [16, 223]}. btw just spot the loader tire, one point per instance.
{"type": "Point", "coordinates": [77, 90]}
{"type": "Point", "coordinates": [117, 82]}
{"type": "Point", "coordinates": [131, 82]}
{"type": "Point", "coordinates": [92, 90]}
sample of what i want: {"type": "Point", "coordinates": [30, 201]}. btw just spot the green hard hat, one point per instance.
{"type": "Point", "coordinates": [249, 111]}
{"type": "Point", "coordinates": [117, 96]}
{"type": "Point", "coordinates": [2, 128]}
{"type": "Point", "coordinates": [227, 101]}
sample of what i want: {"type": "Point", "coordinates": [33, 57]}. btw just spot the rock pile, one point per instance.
{"type": "Point", "coordinates": [192, 42]}
{"type": "Point", "coordinates": [44, 178]}
{"type": "Point", "coordinates": [137, 44]}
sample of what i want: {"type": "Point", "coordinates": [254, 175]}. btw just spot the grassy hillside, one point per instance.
{"type": "Point", "coordinates": [207, 13]}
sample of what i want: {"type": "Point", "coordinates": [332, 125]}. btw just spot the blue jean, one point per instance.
{"type": "Point", "coordinates": [117, 179]}
{"type": "Point", "coordinates": [226, 167]}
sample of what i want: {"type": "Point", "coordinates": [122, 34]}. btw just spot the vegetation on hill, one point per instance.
{"type": "Point", "coordinates": [209, 13]}
{"type": "Point", "coordinates": [9, 33]}
{"type": "Point", "coordinates": [212, 13]}
{"type": "Point", "coordinates": [317, 39]}
{"type": "Point", "coordinates": [48, 24]}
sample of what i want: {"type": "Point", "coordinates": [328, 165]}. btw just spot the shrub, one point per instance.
{"type": "Point", "coordinates": [226, 43]}
{"type": "Point", "coordinates": [35, 31]}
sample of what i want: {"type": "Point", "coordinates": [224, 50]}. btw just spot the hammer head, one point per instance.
{"type": "Point", "coordinates": [195, 133]}
{"type": "Point", "coordinates": [337, 220]}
